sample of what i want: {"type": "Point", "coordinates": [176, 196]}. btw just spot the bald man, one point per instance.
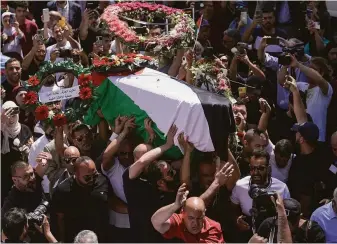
{"type": "Point", "coordinates": [191, 225]}
{"type": "Point", "coordinates": [140, 150]}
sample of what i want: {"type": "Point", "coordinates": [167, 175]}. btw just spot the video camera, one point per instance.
{"type": "Point", "coordinates": [297, 51]}
{"type": "Point", "coordinates": [242, 47]}
{"type": "Point", "coordinates": [263, 206]}
{"type": "Point", "coordinates": [36, 217]}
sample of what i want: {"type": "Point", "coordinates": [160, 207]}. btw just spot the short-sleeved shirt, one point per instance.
{"type": "Point", "coordinates": [210, 233]}
{"type": "Point", "coordinates": [32, 69]}
{"type": "Point", "coordinates": [84, 208]}
{"type": "Point", "coordinates": [240, 193]}
{"type": "Point", "coordinates": [143, 201]}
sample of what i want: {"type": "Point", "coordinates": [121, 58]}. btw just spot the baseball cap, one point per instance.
{"type": "Point", "coordinates": [292, 207]}
{"type": "Point", "coordinates": [8, 105]}
{"type": "Point", "coordinates": [308, 130]}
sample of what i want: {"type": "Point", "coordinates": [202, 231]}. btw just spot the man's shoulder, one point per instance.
{"type": "Point", "coordinates": [30, 23]}
{"type": "Point", "coordinates": [64, 186]}
{"type": "Point", "coordinates": [244, 182]}
{"type": "Point", "coordinates": [276, 183]}
{"type": "Point", "coordinates": [214, 224]}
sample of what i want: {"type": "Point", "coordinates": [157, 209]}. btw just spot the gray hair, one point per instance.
{"type": "Point", "coordinates": [86, 236]}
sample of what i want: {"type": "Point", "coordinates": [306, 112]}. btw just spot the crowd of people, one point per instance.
{"type": "Point", "coordinates": [90, 184]}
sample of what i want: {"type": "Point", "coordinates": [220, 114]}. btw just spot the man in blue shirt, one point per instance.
{"type": "Point", "coordinates": [238, 23]}
{"type": "Point", "coordinates": [326, 217]}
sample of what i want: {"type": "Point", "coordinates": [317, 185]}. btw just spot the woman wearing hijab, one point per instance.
{"type": "Point", "coordinates": [16, 139]}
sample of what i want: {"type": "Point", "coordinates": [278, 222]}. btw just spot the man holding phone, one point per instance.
{"type": "Point", "coordinates": [70, 10]}
{"type": "Point", "coordinates": [241, 20]}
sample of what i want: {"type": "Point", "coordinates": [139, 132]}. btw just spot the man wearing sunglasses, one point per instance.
{"type": "Point", "coordinates": [260, 174]}
{"type": "Point", "coordinates": [81, 202]}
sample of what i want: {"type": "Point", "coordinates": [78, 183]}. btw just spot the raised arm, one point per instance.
{"type": "Point", "coordinates": [283, 233]}
{"type": "Point", "coordinates": [247, 35]}
{"type": "Point", "coordinates": [120, 123]}
{"type": "Point", "coordinates": [27, 60]}
{"type": "Point", "coordinates": [160, 219]}
{"type": "Point", "coordinates": [185, 171]}
{"type": "Point", "coordinates": [254, 68]}
{"type": "Point", "coordinates": [138, 167]}
{"type": "Point", "coordinates": [299, 109]}
{"type": "Point", "coordinates": [315, 77]}
{"type": "Point", "coordinates": [233, 68]}
{"type": "Point", "coordinates": [264, 119]}
{"type": "Point", "coordinates": [84, 26]}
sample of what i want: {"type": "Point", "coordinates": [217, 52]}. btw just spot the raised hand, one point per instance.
{"type": "Point", "coordinates": [43, 157]}
{"type": "Point", "coordinates": [264, 106]}
{"type": "Point", "coordinates": [290, 83]}
{"type": "Point", "coordinates": [185, 144]}
{"type": "Point", "coordinates": [224, 174]}
{"type": "Point", "coordinates": [150, 131]}
{"type": "Point", "coordinates": [181, 195]}
{"type": "Point", "coordinates": [129, 125]}
{"type": "Point", "coordinates": [119, 123]}
{"type": "Point", "coordinates": [170, 135]}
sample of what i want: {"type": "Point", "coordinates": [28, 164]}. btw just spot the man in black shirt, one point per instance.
{"type": "Point", "coordinates": [13, 76]}
{"type": "Point", "coordinates": [307, 174]}
{"type": "Point", "coordinates": [81, 202]}
{"type": "Point", "coordinates": [145, 196]}
{"type": "Point", "coordinates": [32, 61]}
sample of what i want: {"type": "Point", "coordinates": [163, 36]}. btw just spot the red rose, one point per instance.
{"type": "Point", "coordinates": [129, 60]}
{"type": "Point", "coordinates": [31, 98]}
{"type": "Point", "coordinates": [33, 81]}
{"type": "Point", "coordinates": [85, 93]}
{"type": "Point", "coordinates": [41, 112]}
{"type": "Point", "coordinates": [84, 79]}
{"type": "Point", "coordinates": [59, 120]}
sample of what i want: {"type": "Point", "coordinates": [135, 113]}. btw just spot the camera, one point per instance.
{"type": "Point", "coordinates": [297, 51]}
{"type": "Point", "coordinates": [242, 47]}
{"type": "Point", "coordinates": [65, 53]}
{"type": "Point", "coordinates": [36, 217]}
{"type": "Point", "coordinates": [284, 59]}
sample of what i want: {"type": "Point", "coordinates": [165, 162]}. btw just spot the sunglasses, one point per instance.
{"type": "Point", "coordinates": [258, 168]}
{"type": "Point", "coordinates": [82, 137]}
{"type": "Point", "coordinates": [70, 160]}
{"type": "Point", "coordinates": [92, 177]}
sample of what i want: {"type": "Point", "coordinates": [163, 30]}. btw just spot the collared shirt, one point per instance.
{"type": "Point", "coordinates": [210, 232]}
{"type": "Point", "coordinates": [64, 11]}
{"type": "Point", "coordinates": [326, 217]}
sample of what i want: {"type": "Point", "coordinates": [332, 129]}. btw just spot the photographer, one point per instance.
{"type": "Point", "coordinates": [260, 176]}
{"type": "Point", "coordinates": [302, 231]}
{"type": "Point", "coordinates": [15, 227]}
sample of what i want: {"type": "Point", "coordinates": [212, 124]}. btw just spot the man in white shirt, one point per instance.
{"type": "Point", "coordinates": [326, 217]}
{"type": "Point", "coordinates": [260, 174]}
{"type": "Point", "coordinates": [280, 160]}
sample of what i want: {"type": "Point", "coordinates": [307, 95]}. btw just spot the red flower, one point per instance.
{"type": "Point", "coordinates": [85, 93]}
{"type": "Point", "coordinates": [33, 81]}
{"type": "Point", "coordinates": [148, 58]}
{"type": "Point", "coordinates": [84, 79]}
{"type": "Point", "coordinates": [129, 60]}
{"type": "Point", "coordinates": [59, 120]}
{"type": "Point", "coordinates": [41, 112]}
{"type": "Point", "coordinates": [31, 98]}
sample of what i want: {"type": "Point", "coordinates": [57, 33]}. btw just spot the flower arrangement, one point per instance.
{"type": "Point", "coordinates": [180, 36]}
{"type": "Point", "coordinates": [121, 64]}
{"type": "Point", "coordinates": [213, 75]}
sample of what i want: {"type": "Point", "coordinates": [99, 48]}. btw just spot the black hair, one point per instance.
{"type": "Point", "coordinates": [106, 34]}
{"type": "Point", "coordinates": [259, 153]}
{"type": "Point", "coordinates": [13, 223]}
{"type": "Point", "coordinates": [323, 66]}
{"type": "Point", "coordinates": [11, 60]}
{"type": "Point", "coordinates": [154, 173]}
{"type": "Point", "coordinates": [284, 148]}
{"type": "Point", "coordinates": [268, 9]}
{"type": "Point", "coordinates": [152, 27]}
{"type": "Point", "coordinates": [240, 102]}
{"type": "Point", "coordinates": [235, 34]}
{"type": "Point", "coordinates": [18, 165]}
{"type": "Point", "coordinates": [303, 96]}
{"type": "Point", "coordinates": [251, 133]}
{"type": "Point", "coordinates": [21, 4]}
{"type": "Point", "coordinates": [78, 128]}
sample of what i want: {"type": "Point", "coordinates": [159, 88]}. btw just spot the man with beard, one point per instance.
{"type": "Point", "coordinates": [307, 176]}
{"type": "Point", "coordinates": [116, 158]}
{"type": "Point", "coordinates": [267, 27]}
{"type": "Point", "coordinates": [31, 62]}
{"type": "Point", "coordinates": [81, 202]}
{"type": "Point", "coordinates": [260, 174]}
{"type": "Point", "coordinates": [13, 75]}
{"type": "Point", "coordinates": [89, 29]}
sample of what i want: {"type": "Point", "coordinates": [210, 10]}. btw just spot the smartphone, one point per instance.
{"type": "Point", "coordinates": [243, 17]}
{"type": "Point", "coordinates": [90, 5]}
{"type": "Point", "coordinates": [241, 46]}
{"type": "Point", "coordinates": [40, 35]}
{"type": "Point", "coordinates": [284, 59]}
{"type": "Point", "coordinates": [99, 40]}
{"type": "Point", "coordinates": [242, 91]}
{"type": "Point", "coordinates": [317, 25]}
{"type": "Point", "coordinates": [12, 19]}
{"type": "Point", "coordinates": [46, 16]}
{"type": "Point", "coordinates": [273, 41]}
{"type": "Point", "coordinates": [309, 13]}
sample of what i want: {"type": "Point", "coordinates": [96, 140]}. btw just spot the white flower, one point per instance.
{"type": "Point", "coordinates": [51, 114]}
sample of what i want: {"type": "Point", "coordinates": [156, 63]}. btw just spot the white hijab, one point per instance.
{"type": "Point", "coordinates": [9, 131]}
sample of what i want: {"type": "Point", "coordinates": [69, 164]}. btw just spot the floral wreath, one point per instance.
{"type": "Point", "coordinates": [122, 64]}
{"type": "Point", "coordinates": [180, 36]}
{"type": "Point", "coordinates": [212, 74]}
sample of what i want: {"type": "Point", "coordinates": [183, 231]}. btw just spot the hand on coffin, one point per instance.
{"type": "Point", "coordinates": [150, 131]}
{"type": "Point", "coordinates": [170, 135]}
{"type": "Point", "coordinates": [129, 125]}
{"type": "Point", "coordinates": [184, 143]}
{"type": "Point", "coordinates": [119, 123]}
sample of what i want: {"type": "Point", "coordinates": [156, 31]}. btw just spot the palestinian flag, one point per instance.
{"type": "Point", "coordinates": [206, 118]}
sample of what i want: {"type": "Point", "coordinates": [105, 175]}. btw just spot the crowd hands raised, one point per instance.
{"type": "Point", "coordinates": [104, 184]}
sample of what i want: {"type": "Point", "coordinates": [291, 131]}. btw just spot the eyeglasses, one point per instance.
{"type": "Point", "coordinates": [70, 160]}
{"type": "Point", "coordinates": [27, 177]}
{"type": "Point", "coordinates": [92, 177]}
{"type": "Point", "coordinates": [259, 168]}
{"type": "Point", "coordinates": [81, 137]}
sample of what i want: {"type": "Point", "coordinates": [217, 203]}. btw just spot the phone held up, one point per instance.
{"type": "Point", "coordinates": [46, 16]}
